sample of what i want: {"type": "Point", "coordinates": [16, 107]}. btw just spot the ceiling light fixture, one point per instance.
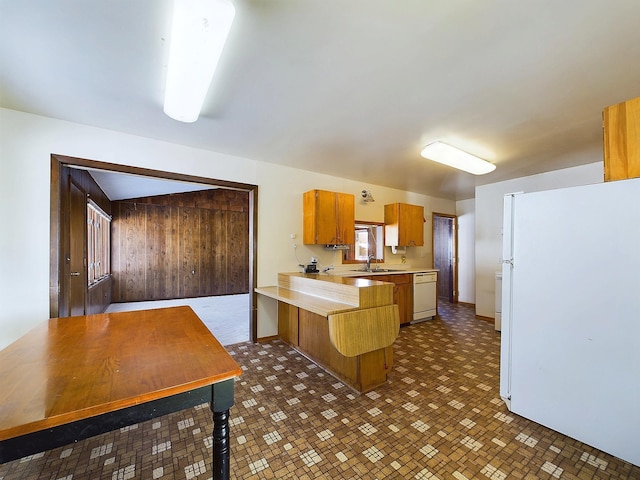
{"type": "Point", "coordinates": [200, 29]}
{"type": "Point", "coordinates": [451, 156]}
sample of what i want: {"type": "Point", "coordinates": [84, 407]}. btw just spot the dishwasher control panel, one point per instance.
{"type": "Point", "coordinates": [425, 277]}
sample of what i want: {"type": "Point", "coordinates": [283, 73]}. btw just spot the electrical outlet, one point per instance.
{"type": "Point", "coordinates": [294, 245]}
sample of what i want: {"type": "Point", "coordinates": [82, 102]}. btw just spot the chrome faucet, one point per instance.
{"type": "Point", "coordinates": [369, 258]}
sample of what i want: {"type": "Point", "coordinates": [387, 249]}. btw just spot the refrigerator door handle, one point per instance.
{"type": "Point", "coordinates": [507, 274]}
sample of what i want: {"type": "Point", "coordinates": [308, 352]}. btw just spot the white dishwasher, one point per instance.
{"type": "Point", "coordinates": [425, 296]}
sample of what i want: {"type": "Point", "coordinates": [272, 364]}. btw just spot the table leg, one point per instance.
{"type": "Point", "coordinates": [221, 401]}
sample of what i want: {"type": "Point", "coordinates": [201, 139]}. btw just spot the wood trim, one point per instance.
{"type": "Point", "coordinates": [55, 261]}
{"type": "Point", "coordinates": [267, 339]}
{"type": "Point", "coordinates": [148, 172]}
{"type": "Point", "coordinates": [253, 262]}
{"type": "Point", "coordinates": [55, 254]}
{"type": "Point", "coordinates": [485, 319]}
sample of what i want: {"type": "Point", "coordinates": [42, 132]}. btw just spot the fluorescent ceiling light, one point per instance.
{"type": "Point", "coordinates": [451, 156]}
{"type": "Point", "coordinates": [200, 29]}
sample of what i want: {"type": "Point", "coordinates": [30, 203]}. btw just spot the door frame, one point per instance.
{"type": "Point", "coordinates": [58, 216]}
{"type": "Point", "coordinates": [454, 248]}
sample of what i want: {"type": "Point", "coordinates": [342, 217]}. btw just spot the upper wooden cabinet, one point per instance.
{"type": "Point", "coordinates": [403, 225]}
{"type": "Point", "coordinates": [622, 140]}
{"type": "Point", "coordinates": [329, 218]}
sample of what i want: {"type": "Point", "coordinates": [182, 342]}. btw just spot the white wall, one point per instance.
{"type": "Point", "coordinates": [466, 212]}
{"type": "Point", "coordinates": [27, 142]}
{"type": "Point", "coordinates": [488, 232]}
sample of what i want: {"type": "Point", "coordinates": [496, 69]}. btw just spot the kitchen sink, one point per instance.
{"type": "Point", "coordinates": [375, 270]}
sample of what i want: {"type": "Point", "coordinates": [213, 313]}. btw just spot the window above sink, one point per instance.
{"type": "Point", "coordinates": [369, 240]}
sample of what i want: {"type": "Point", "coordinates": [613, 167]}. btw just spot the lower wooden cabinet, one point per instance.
{"type": "Point", "coordinates": [402, 293]}
{"type": "Point", "coordinates": [308, 333]}
{"type": "Point", "coordinates": [288, 323]}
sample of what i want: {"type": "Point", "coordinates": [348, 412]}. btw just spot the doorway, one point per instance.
{"type": "Point", "coordinates": [59, 291]}
{"type": "Point", "coordinates": [77, 251]}
{"type": "Point", "coordinates": [445, 255]}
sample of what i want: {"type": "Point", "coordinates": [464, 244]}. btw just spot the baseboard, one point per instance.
{"type": "Point", "coordinates": [486, 319]}
{"type": "Point", "coordinates": [267, 339]}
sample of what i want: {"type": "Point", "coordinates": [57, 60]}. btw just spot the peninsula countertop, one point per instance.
{"type": "Point", "coordinates": [322, 293]}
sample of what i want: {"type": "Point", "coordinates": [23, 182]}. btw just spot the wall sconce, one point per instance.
{"type": "Point", "coordinates": [367, 196]}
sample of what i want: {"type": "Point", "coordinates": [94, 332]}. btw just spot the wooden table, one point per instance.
{"type": "Point", "coordinates": [75, 377]}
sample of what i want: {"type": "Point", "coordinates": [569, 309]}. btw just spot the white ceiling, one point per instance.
{"type": "Point", "coordinates": [122, 186]}
{"type": "Point", "coordinates": [352, 88]}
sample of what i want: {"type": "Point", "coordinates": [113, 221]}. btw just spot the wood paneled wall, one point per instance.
{"type": "Point", "coordinates": [85, 181]}
{"type": "Point", "coordinates": [181, 245]}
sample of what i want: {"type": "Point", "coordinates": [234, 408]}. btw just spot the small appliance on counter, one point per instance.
{"type": "Point", "coordinates": [312, 267]}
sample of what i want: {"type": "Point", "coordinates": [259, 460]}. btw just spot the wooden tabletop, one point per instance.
{"type": "Point", "coordinates": [73, 368]}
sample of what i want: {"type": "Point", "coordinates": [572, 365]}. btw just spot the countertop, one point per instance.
{"type": "Point", "coordinates": [324, 303]}
{"type": "Point", "coordinates": [386, 270]}
{"type": "Point", "coordinates": [328, 294]}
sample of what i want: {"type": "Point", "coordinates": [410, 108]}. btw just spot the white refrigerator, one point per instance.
{"type": "Point", "coordinates": [570, 341]}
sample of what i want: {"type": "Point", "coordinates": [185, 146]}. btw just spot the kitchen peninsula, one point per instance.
{"type": "Point", "coordinates": [346, 325]}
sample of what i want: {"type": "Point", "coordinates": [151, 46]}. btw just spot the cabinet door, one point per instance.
{"type": "Point", "coordinates": [326, 218]}
{"type": "Point", "coordinates": [329, 218]}
{"type": "Point", "coordinates": [404, 225]}
{"type": "Point", "coordinates": [405, 303]}
{"type": "Point", "coordinates": [402, 293]}
{"type": "Point", "coordinates": [411, 225]}
{"type": "Point", "coordinates": [288, 323]}
{"type": "Point", "coordinates": [622, 140]}
{"type": "Point", "coordinates": [345, 219]}
{"type": "Point", "coordinates": [320, 217]}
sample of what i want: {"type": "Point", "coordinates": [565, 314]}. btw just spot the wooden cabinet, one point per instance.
{"type": "Point", "coordinates": [288, 323]}
{"type": "Point", "coordinates": [345, 325]}
{"type": "Point", "coordinates": [402, 293]}
{"type": "Point", "coordinates": [403, 225]}
{"type": "Point", "coordinates": [622, 140]}
{"type": "Point", "coordinates": [329, 218]}
{"type": "Point", "coordinates": [309, 333]}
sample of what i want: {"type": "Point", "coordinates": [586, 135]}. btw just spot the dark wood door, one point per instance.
{"type": "Point", "coordinates": [444, 255]}
{"type": "Point", "coordinates": [77, 246]}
